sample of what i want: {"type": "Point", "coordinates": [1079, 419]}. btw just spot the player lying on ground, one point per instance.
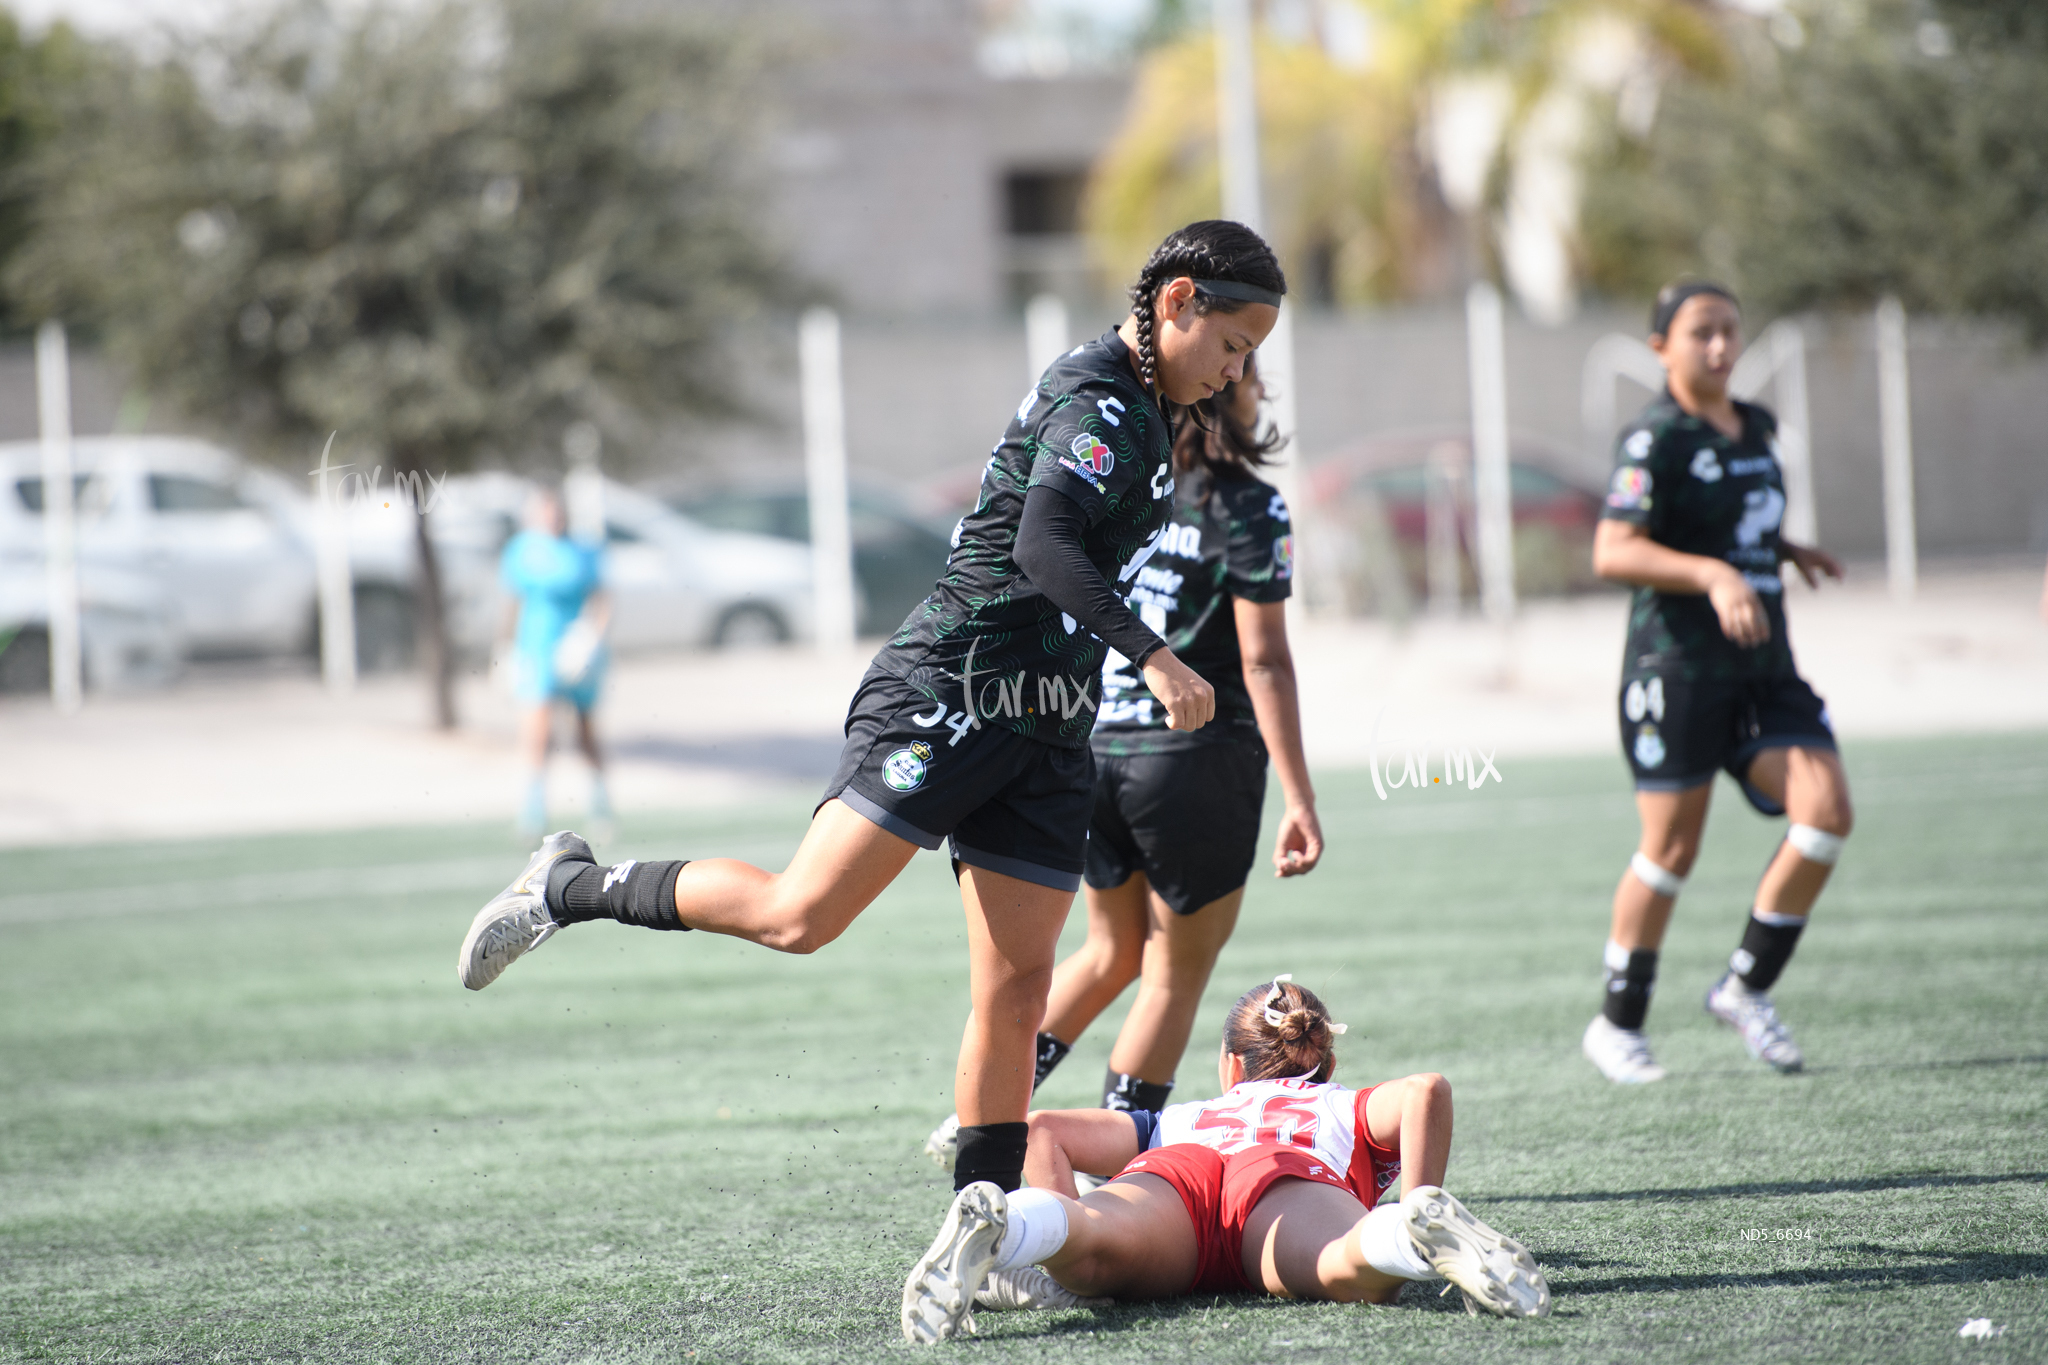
{"type": "Point", "coordinates": [1175, 828]}
{"type": "Point", "coordinates": [1272, 1186]}
{"type": "Point", "coordinates": [1708, 681]}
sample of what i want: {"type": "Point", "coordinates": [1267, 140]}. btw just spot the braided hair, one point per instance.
{"type": "Point", "coordinates": [1213, 249]}
{"type": "Point", "coordinates": [1301, 1044]}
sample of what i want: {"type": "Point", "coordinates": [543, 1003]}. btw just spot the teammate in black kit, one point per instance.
{"type": "Point", "coordinates": [1175, 827]}
{"type": "Point", "coordinates": [973, 722]}
{"type": "Point", "coordinates": [1708, 681]}
{"type": "Point", "coordinates": [1176, 824]}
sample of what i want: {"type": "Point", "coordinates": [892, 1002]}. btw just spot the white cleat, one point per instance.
{"type": "Point", "coordinates": [1085, 1183]}
{"type": "Point", "coordinates": [1622, 1054]}
{"type": "Point", "coordinates": [1029, 1287]}
{"type": "Point", "coordinates": [1751, 1014]}
{"type": "Point", "coordinates": [1497, 1273]}
{"type": "Point", "coordinates": [516, 921]}
{"type": "Point", "coordinates": [944, 1143]}
{"type": "Point", "coordinates": [938, 1298]}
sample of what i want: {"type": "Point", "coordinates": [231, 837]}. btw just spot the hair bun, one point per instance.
{"type": "Point", "coordinates": [1298, 1024]}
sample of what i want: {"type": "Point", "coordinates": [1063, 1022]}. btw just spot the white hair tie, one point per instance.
{"type": "Point", "coordinates": [1276, 1018]}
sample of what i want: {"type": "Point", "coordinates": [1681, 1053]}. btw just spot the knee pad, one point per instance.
{"type": "Point", "coordinates": [1660, 880]}
{"type": "Point", "coordinates": [1815, 845]}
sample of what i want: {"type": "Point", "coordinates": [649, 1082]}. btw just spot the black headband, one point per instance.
{"type": "Point", "coordinates": [1243, 293]}
{"type": "Point", "coordinates": [1672, 299]}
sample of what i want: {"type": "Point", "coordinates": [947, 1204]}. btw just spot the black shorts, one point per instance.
{"type": "Point", "coordinates": [1010, 804]}
{"type": "Point", "coordinates": [1188, 819]}
{"type": "Point", "coordinates": [1676, 730]}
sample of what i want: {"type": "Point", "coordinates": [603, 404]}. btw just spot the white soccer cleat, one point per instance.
{"type": "Point", "coordinates": [944, 1143]}
{"type": "Point", "coordinates": [1029, 1287]}
{"type": "Point", "coordinates": [1497, 1273]}
{"type": "Point", "coordinates": [1085, 1183]}
{"type": "Point", "coordinates": [938, 1298]}
{"type": "Point", "coordinates": [1751, 1014]}
{"type": "Point", "coordinates": [1622, 1054]}
{"type": "Point", "coordinates": [516, 921]}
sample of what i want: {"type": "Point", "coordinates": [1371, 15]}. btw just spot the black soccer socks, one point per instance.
{"type": "Point", "coordinates": [631, 892]}
{"type": "Point", "coordinates": [1126, 1092]}
{"type": "Point", "coordinates": [1631, 979]}
{"type": "Point", "coordinates": [992, 1152]}
{"type": "Point", "coordinates": [1767, 945]}
{"type": "Point", "coordinates": [1051, 1052]}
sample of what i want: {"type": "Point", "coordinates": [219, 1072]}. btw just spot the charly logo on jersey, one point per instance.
{"type": "Point", "coordinates": [1631, 488]}
{"type": "Point", "coordinates": [1706, 465]}
{"type": "Point", "coordinates": [1637, 447]}
{"type": "Point", "coordinates": [904, 770]}
{"type": "Point", "coordinates": [1094, 456]}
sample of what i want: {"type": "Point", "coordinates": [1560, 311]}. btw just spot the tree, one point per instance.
{"type": "Point", "coordinates": [1352, 193]}
{"type": "Point", "coordinates": [446, 232]}
{"type": "Point", "coordinates": [1861, 151]}
{"type": "Point", "coordinates": [34, 73]}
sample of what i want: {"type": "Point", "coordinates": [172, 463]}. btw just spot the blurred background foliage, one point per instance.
{"type": "Point", "coordinates": [1354, 188]}
{"type": "Point", "coordinates": [1817, 154]}
{"type": "Point", "coordinates": [449, 229]}
{"type": "Point", "coordinates": [1857, 150]}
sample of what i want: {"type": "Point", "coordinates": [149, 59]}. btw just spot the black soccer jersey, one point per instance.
{"type": "Point", "coordinates": [1703, 493]}
{"type": "Point", "coordinates": [987, 644]}
{"type": "Point", "coordinates": [1228, 538]}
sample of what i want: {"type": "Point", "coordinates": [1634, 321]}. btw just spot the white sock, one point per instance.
{"type": "Point", "coordinates": [1038, 1228]}
{"type": "Point", "coordinates": [1384, 1242]}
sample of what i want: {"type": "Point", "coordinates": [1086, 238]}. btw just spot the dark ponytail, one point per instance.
{"type": "Point", "coordinates": [1218, 442]}
{"type": "Point", "coordinates": [1213, 249]}
{"type": "Point", "coordinates": [1300, 1045]}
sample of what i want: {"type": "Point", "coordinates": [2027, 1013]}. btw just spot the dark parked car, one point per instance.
{"type": "Point", "coordinates": [896, 556]}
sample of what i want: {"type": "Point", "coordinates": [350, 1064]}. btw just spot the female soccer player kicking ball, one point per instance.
{"type": "Point", "coordinates": [1272, 1186]}
{"type": "Point", "coordinates": [1708, 681]}
{"type": "Point", "coordinates": [1175, 829]}
{"type": "Point", "coordinates": [973, 722]}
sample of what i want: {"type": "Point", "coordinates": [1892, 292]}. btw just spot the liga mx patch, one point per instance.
{"type": "Point", "coordinates": [905, 769]}
{"type": "Point", "coordinates": [1631, 488]}
{"type": "Point", "coordinates": [1093, 455]}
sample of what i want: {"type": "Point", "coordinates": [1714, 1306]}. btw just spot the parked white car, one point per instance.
{"type": "Point", "coordinates": [219, 553]}
{"type": "Point", "coordinates": [209, 530]}
{"type": "Point", "coordinates": [674, 582]}
{"type": "Point", "coordinates": [127, 632]}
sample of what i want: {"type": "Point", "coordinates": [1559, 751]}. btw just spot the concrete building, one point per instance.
{"type": "Point", "coordinates": [930, 199]}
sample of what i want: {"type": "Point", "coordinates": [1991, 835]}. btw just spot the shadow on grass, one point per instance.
{"type": "Point", "coordinates": [1963, 1267]}
{"type": "Point", "coordinates": [1226, 1308]}
{"type": "Point", "coordinates": [1857, 1185]}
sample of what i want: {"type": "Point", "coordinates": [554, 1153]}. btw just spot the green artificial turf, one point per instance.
{"type": "Point", "coordinates": [247, 1114]}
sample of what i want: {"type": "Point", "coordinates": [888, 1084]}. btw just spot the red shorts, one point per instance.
{"type": "Point", "coordinates": [1220, 1193]}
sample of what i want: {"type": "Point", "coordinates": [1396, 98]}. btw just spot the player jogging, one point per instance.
{"type": "Point", "coordinates": [1275, 1185]}
{"type": "Point", "coordinates": [973, 722]}
{"type": "Point", "coordinates": [1176, 822]}
{"type": "Point", "coordinates": [1708, 681]}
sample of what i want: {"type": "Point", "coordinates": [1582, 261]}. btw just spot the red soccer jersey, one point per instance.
{"type": "Point", "coordinates": [1327, 1119]}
